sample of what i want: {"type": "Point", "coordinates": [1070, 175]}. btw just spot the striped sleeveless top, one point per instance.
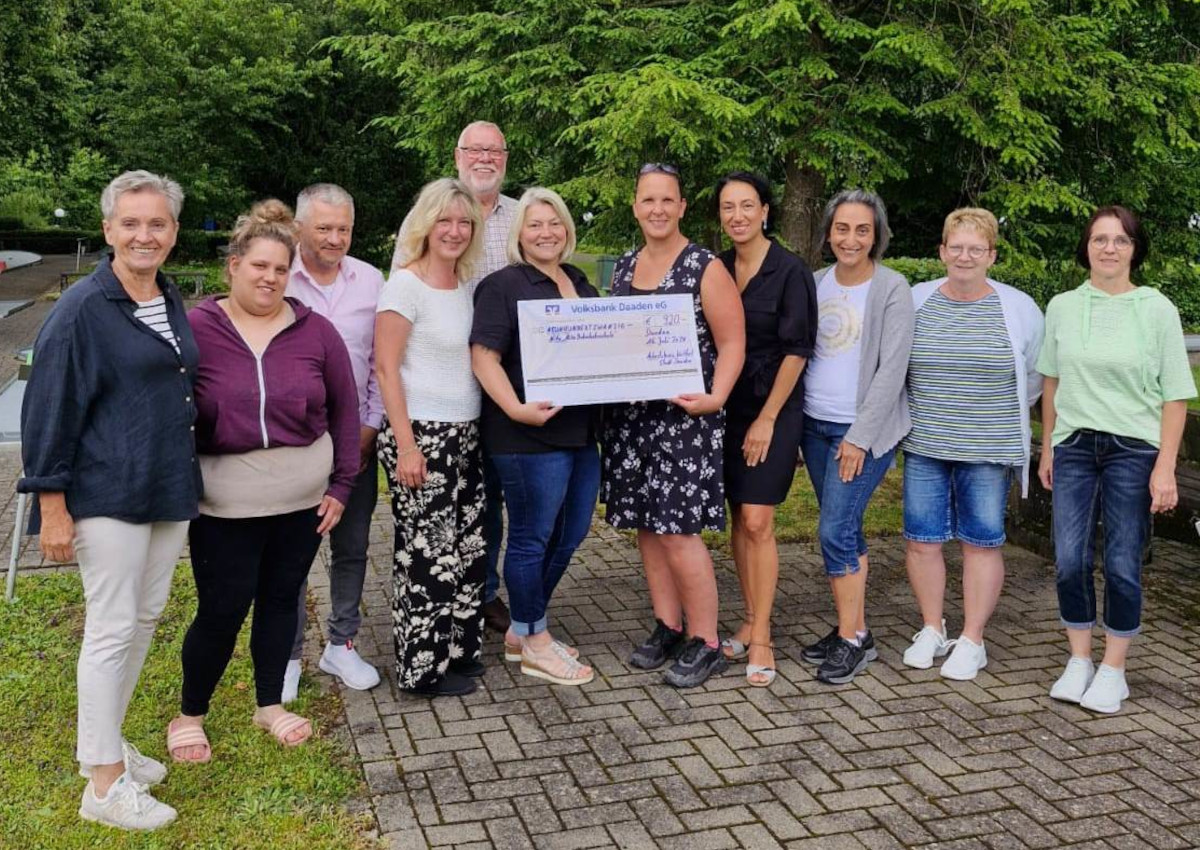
{"type": "Point", "coordinates": [962, 384]}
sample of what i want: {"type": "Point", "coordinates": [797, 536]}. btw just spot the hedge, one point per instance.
{"type": "Point", "coordinates": [1042, 280]}
{"type": "Point", "coordinates": [190, 245]}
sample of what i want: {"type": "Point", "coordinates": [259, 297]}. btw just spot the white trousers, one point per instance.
{"type": "Point", "coordinates": [126, 570]}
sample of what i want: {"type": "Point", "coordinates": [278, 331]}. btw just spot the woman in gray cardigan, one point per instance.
{"type": "Point", "coordinates": [855, 411]}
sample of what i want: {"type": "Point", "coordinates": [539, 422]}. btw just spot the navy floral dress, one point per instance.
{"type": "Point", "coordinates": [662, 468]}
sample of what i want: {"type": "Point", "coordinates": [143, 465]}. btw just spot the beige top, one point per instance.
{"type": "Point", "coordinates": [266, 482]}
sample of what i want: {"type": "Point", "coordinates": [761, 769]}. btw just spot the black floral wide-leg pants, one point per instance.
{"type": "Point", "coordinates": [439, 563]}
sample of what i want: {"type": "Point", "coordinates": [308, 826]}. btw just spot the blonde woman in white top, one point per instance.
{"type": "Point", "coordinates": [430, 445]}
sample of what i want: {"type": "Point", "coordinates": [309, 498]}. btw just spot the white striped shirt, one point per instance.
{"type": "Point", "coordinates": [153, 314]}
{"type": "Point", "coordinates": [962, 384]}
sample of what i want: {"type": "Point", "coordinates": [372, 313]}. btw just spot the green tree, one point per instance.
{"type": "Point", "coordinates": [1038, 108]}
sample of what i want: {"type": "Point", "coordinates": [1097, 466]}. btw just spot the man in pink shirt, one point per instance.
{"type": "Point", "coordinates": [345, 291]}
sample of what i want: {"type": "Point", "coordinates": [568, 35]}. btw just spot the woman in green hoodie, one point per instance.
{"type": "Point", "coordinates": [1113, 410]}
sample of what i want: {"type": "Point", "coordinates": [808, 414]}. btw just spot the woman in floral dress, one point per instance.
{"type": "Point", "coordinates": [662, 464]}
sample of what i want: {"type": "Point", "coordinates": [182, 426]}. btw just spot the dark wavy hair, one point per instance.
{"type": "Point", "coordinates": [760, 185]}
{"type": "Point", "coordinates": [1130, 223]}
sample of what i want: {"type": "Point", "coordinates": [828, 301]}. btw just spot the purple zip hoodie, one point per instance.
{"type": "Point", "coordinates": [301, 387]}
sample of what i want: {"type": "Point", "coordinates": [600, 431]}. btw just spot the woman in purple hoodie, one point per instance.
{"type": "Point", "coordinates": [277, 438]}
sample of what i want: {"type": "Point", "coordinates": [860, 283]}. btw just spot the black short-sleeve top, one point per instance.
{"type": "Point", "coordinates": [495, 327]}
{"type": "Point", "coordinates": [780, 303]}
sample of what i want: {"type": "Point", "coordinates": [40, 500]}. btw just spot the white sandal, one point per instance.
{"type": "Point", "coordinates": [573, 669]}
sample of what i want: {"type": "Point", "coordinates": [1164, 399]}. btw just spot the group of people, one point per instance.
{"type": "Point", "coordinates": [251, 426]}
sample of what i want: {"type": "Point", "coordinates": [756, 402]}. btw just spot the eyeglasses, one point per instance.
{"type": "Point", "coordinates": [1120, 243]}
{"type": "Point", "coordinates": [975, 252]}
{"type": "Point", "coordinates": [658, 168]}
{"type": "Point", "coordinates": [478, 152]}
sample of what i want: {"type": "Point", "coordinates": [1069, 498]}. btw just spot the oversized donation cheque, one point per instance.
{"type": "Point", "coordinates": [593, 350]}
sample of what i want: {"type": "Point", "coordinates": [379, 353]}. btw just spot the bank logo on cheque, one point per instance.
{"type": "Point", "coordinates": [551, 309]}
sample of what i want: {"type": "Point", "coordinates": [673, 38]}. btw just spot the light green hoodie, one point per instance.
{"type": "Point", "coordinates": [1117, 359]}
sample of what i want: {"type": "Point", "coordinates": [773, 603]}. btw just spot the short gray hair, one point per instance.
{"type": "Point", "coordinates": [868, 199]}
{"type": "Point", "coordinates": [474, 124]}
{"type": "Point", "coordinates": [539, 195]}
{"type": "Point", "coordinates": [141, 181]}
{"type": "Point", "coordinates": [325, 193]}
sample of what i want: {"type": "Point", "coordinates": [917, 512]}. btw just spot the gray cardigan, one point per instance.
{"type": "Point", "coordinates": [881, 417]}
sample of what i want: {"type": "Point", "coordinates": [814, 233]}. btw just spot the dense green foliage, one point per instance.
{"type": "Point", "coordinates": [1037, 109]}
{"type": "Point", "coordinates": [233, 98]}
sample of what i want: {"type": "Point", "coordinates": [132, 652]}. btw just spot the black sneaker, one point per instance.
{"type": "Point", "coordinates": [451, 684]}
{"type": "Point", "coordinates": [843, 663]}
{"type": "Point", "coordinates": [468, 667]}
{"type": "Point", "coordinates": [816, 653]}
{"type": "Point", "coordinates": [661, 645]}
{"type": "Point", "coordinates": [695, 663]}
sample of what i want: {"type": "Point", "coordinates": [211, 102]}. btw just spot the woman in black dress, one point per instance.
{"type": "Point", "coordinates": [662, 459]}
{"type": "Point", "coordinates": [765, 411]}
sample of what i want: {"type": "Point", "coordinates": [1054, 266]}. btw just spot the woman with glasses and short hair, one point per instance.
{"type": "Point", "coordinates": [662, 461]}
{"type": "Point", "coordinates": [971, 380]}
{"type": "Point", "coordinates": [1113, 412]}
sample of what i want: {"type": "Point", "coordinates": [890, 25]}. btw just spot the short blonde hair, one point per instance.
{"type": "Point", "coordinates": [433, 202]}
{"type": "Point", "coordinates": [972, 218]}
{"type": "Point", "coordinates": [540, 195]}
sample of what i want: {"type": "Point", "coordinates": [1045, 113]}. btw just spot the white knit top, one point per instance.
{"type": "Point", "coordinates": [439, 385]}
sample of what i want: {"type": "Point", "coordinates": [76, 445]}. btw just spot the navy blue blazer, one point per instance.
{"type": "Point", "coordinates": [108, 412]}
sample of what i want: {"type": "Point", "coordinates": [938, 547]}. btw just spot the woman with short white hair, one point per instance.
{"type": "Point", "coordinates": [546, 455]}
{"type": "Point", "coordinates": [107, 445]}
{"type": "Point", "coordinates": [430, 444]}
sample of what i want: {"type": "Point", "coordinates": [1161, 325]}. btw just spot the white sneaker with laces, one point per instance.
{"type": "Point", "coordinates": [128, 806]}
{"type": "Point", "coordinates": [1107, 691]}
{"type": "Point", "coordinates": [291, 681]}
{"type": "Point", "coordinates": [345, 663]}
{"type": "Point", "coordinates": [1075, 680]}
{"type": "Point", "coordinates": [965, 662]}
{"type": "Point", "coordinates": [141, 768]}
{"type": "Point", "coordinates": [927, 645]}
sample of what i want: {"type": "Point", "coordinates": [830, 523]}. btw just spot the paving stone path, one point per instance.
{"type": "Point", "coordinates": [899, 758]}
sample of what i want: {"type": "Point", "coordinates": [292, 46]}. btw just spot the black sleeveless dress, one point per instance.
{"type": "Point", "coordinates": [662, 468]}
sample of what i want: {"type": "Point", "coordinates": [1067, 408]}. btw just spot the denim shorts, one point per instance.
{"type": "Point", "coordinates": [945, 499]}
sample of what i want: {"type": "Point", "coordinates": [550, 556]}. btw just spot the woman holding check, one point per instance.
{"type": "Point", "coordinates": [546, 455]}
{"type": "Point", "coordinates": [663, 459]}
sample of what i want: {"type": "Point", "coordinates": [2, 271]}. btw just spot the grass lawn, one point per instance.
{"type": "Point", "coordinates": [1194, 404]}
{"type": "Point", "coordinates": [796, 518]}
{"type": "Point", "coordinates": [254, 793]}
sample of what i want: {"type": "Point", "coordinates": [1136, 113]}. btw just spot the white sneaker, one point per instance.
{"type": "Point", "coordinates": [291, 681]}
{"type": "Point", "coordinates": [927, 645]}
{"type": "Point", "coordinates": [1074, 681]}
{"type": "Point", "coordinates": [127, 806]}
{"type": "Point", "coordinates": [965, 662]}
{"type": "Point", "coordinates": [1107, 690]}
{"type": "Point", "coordinates": [141, 768]}
{"type": "Point", "coordinates": [345, 663]}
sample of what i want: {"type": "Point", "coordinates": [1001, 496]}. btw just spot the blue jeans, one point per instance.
{"type": "Point", "coordinates": [944, 499]}
{"type": "Point", "coordinates": [842, 505]}
{"type": "Point", "coordinates": [550, 497]}
{"type": "Point", "coordinates": [493, 527]}
{"type": "Point", "coordinates": [1099, 475]}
